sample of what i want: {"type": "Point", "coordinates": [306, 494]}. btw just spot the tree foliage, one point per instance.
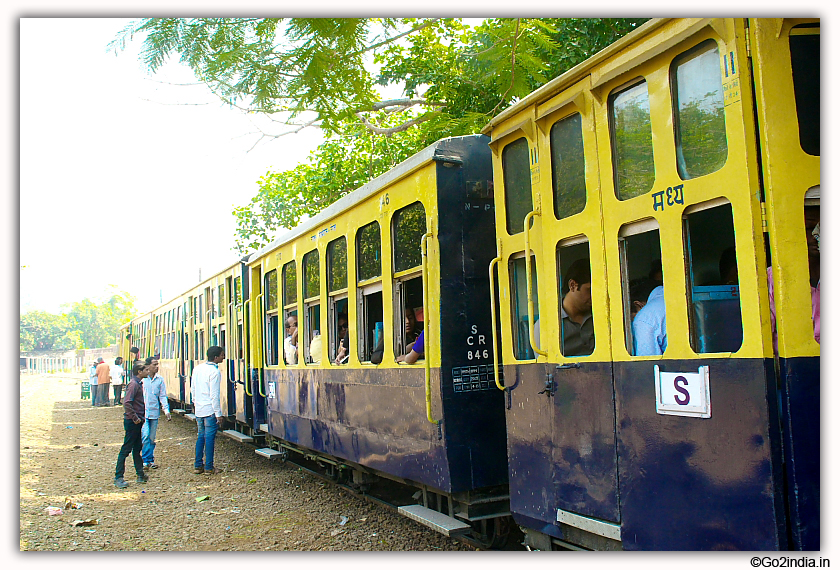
{"type": "Point", "coordinates": [325, 72]}
{"type": "Point", "coordinates": [84, 324]}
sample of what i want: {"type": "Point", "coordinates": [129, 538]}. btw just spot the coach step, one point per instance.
{"type": "Point", "coordinates": [440, 522]}
{"type": "Point", "coordinates": [269, 453]}
{"type": "Point", "coordinates": [238, 436]}
{"type": "Point", "coordinates": [190, 417]}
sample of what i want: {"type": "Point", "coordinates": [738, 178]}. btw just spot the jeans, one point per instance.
{"type": "Point", "coordinates": [131, 445]}
{"type": "Point", "coordinates": [149, 433]}
{"type": "Point", "coordinates": [207, 427]}
{"type": "Point", "coordinates": [94, 392]}
{"type": "Point", "coordinates": [117, 394]}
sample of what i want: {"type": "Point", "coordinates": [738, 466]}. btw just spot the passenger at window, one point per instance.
{"type": "Point", "coordinates": [655, 273]}
{"type": "Point", "coordinates": [577, 330]}
{"type": "Point", "coordinates": [639, 292]}
{"type": "Point", "coordinates": [291, 341]}
{"type": "Point", "coordinates": [417, 350]}
{"type": "Point", "coordinates": [315, 347]}
{"type": "Point", "coordinates": [413, 327]}
{"type": "Point", "coordinates": [650, 337]}
{"type": "Point", "coordinates": [343, 342]}
{"type": "Point", "coordinates": [812, 237]}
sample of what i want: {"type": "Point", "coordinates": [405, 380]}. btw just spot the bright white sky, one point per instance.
{"type": "Point", "coordinates": [107, 149]}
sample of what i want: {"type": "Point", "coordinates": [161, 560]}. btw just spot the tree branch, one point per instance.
{"type": "Point", "coordinates": [398, 129]}
{"type": "Point", "coordinates": [512, 68]}
{"type": "Point", "coordinates": [426, 24]}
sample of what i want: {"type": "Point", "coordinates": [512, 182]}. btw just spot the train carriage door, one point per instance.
{"type": "Point", "coordinates": [575, 321]}
{"type": "Point", "coordinates": [786, 64]}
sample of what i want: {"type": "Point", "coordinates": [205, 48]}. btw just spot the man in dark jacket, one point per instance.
{"type": "Point", "coordinates": [135, 414]}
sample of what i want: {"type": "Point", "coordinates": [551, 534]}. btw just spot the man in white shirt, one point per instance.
{"type": "Point", "coordinates": [205, 385]}
{"type": "Point", "coordinates": [94, 380]}
{"type": "Point", "coordinates": [154, 395]}
{"type": "Point", "coordinates": [117, 375]}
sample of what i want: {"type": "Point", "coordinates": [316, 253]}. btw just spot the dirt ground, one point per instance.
{"type": "Point", "coordinates": [68, 451]}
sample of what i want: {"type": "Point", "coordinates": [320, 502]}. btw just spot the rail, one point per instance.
{"type": "Point", "coordinates": [493, 263]}
{"type": "Point", "coordinates": [427, 328]}
{"type": "Point", "coordinates": [247, 378]}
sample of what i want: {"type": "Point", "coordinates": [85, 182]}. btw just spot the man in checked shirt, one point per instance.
{"type": "Point", "coordinates": [135, 415]}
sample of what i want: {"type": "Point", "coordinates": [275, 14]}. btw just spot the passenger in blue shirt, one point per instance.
{"type": "Point", "coordinates": [650, 337]}
{"type": "Point", "coordinates": [154, 394]}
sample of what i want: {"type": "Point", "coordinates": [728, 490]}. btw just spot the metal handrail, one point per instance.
{"type": "Point", "coordinates": [531, 338]}
{"type": "Point", "coordinates": [262, 336]}
{"type": "Point", "coordinates": [427, 329]}
{"type": "Point", "coordinates": [493, 262]}
{"type": "Point", "coordinates": [247, 378]}
{"type": "Point", "coordinates": [233, 332]}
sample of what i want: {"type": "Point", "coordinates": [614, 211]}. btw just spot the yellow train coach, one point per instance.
{"type": "Point", "coordinates": [657, 214]}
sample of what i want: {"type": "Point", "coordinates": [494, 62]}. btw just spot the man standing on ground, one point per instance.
{"type": "Point", "coordinates": [117, 375]}
{"type": "Point", "coordinates": [103, 373]}
{"type": "Point", "coordinates": [135, 410]}
{"type": "Point", "coordinates": [154, 393]}
{"type": "Point", "coordinates": [135, 352]}
{"type": "Point", "coordinates": [93, 379]}
{"type": "Point", "coordinates": [204, 387]}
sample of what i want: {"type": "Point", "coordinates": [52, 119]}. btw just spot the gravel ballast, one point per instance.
{"type": "Point", "coordinates": [68, 452]}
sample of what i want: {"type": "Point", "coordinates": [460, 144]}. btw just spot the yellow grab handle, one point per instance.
{"type": "Point", "coordinates": [247, 379]}
{"type": "Point", "coordinates": [531, 338]}
{"type": "Point", "coordinates": [262, 336]}
{"type": "Point", "coordinates": [493, 317]}
{"type": "Point", "coordinates": [426, 329]}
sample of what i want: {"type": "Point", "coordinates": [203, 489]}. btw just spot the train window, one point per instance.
{"type": "Point", "coordinates": [632, 141]}
{"type": "Point", "coordinates": [812, 243]}
{"type": "Point", "coordinates": [519, 286]}
{"type": "Point", "coordinates": [312, 307]}
{"type": "Point", "coordinates": [368, 248]}
{"type": "Point", "coordinates": [409, 227]}
{"type": "Point", "coordinates": [337, 264]}
{"type": "Point", "coordinates": [272, 319]}
{"type": "Point", "coordinates": [641, 274]}
{"type": "Point", "coordinates": [516, 168]}
{"type": "Point", "coordinates": [568, 167]}
{"type": "Point", "coordinates": [337, 307]}
{"type": "Point", "coordinates": [311, 274]}
{"type": "Point", "coordinates": [290, 313]}
{"type": "Point", "coordinates": [408, 313]}
{"type": "Point", "coordinates": [289, 283]}
{"type": "Point", "coordinates": [715, 305]}
{"type": "Point", "coordinates": [812, 239]}
{"type": "Point", "coordinates": [201, 308]}
{"type": "Point", "coordinates": [339, 330]}
{"type": "Point", "coordinates": [222, 300]}
{"type": "Point", "coordinates": [237, 290]}
{"type": "Point", "coordinates": [577, 332]}
{"type": "Point", "coordinates": [699, 124]}
{"type": "Point", "coordinates": [371, 324]}
{"type": "Point", "coordinates": [805, 63]}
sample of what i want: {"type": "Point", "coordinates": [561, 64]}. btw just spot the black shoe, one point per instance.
{"type": "Point", "coordinates": [142, 479]}
{"type": "Point", "coordinates": [198, 470]}
{"type": "Point", "coordinates": [120, 483]}
{"type": "Point", "coordinates": [211, 471]}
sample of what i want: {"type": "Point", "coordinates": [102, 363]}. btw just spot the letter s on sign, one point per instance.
{"type": "Point", "coordinates": [677, 381]}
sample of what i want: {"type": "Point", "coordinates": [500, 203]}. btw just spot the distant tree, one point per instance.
{"type": "Point", "coordinates": [85, 324]}
{"type": "Point", "coordinates": [40, 330]}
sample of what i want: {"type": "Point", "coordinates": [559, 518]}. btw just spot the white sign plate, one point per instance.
{"type": "Point", "coordinates": [683, 393]}
{"type": "Point", "coordinates": [272, 390]}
